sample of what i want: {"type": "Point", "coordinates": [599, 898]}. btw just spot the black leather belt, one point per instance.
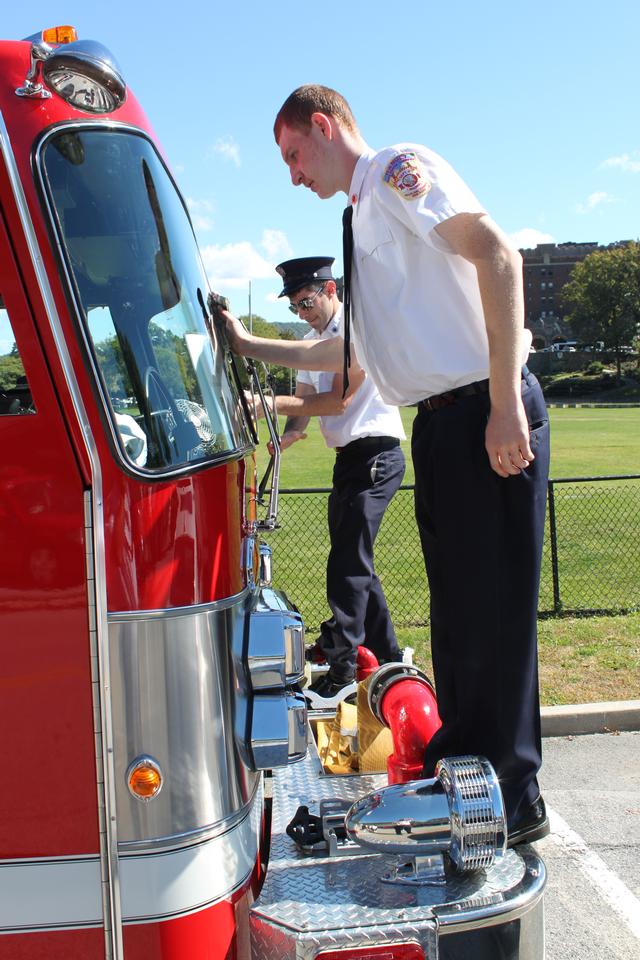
{"type": "Point", "coordinates": [450, 397]}
{"type": "Point", "coordinates": [369, 443]}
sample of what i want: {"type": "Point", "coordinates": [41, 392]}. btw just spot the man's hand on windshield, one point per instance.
{"type": "Point", "coordinates": [237, 334]}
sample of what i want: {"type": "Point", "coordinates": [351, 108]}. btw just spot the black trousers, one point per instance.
{"type": "Point", "coordinates": [482, 543]}
{"type": "Point", "coordinates": [366, 475]}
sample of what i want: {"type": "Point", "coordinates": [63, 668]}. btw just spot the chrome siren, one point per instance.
{"type": "Point", "coordinates": [458, 814]}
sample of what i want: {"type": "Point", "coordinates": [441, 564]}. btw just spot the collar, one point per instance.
{"type": "Point", "coordinates": [361, 167]}
{"type": "Point", "coordinates": [332, 329]}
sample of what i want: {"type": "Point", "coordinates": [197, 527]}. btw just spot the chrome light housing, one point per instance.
{"type": "Point", "coordinates": [83, 73]}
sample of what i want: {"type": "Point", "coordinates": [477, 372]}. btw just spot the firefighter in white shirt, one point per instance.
{"type": "Point", "coordinates": [447, 333]}
{"type": "Point", "coordinates": [365, 433]}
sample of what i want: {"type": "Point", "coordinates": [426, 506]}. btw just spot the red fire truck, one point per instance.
{"type": "Point", "coordinates": [150, 674]}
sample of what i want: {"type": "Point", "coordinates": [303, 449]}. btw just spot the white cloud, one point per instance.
{"type": "Point", "coordinates": [235, 263]}
{"type": "Point", "coordinates": [529, 237]}
{"type": "Point", "coordinates": [272, 298]}
{"type": "Point", "coordinates": [595, 200]}
{"type": "Point", "coordinates": [201, 213]}
{"type": "Point", "coordinates": [624, 162]}
{"type": "Point", "coordinates": [228, 148]}
{"type": "Point", "coordinates": [275, 244]}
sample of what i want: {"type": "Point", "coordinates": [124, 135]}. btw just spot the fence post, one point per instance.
{"type": "Point", "coordinates": [557, 603]}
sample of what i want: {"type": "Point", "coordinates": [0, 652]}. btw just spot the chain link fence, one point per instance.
{"type": "Point", "coordinates": [590, 564]}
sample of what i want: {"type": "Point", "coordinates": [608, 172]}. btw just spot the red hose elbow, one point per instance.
{"type": "Point", "coordinates": [366, 663]}
{"type": "Point", "coordinates": [404, 700]}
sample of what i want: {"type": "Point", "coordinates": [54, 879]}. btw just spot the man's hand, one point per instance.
{"type": "Point", "coordinates": [254, 399]}
{"type": "Point", "coordinates": [507, 441]}
{"type": "Point", "coordinates": [288, 438]}
{"type": "Point", "coordinates": [239, 338]}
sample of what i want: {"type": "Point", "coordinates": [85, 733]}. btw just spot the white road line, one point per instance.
{"type": "Point", "coordinates": [613, 890]}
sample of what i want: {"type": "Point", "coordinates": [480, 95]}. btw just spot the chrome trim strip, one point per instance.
{"type": "Point", "coordinates": [237, 453]}
{"type": "Point", "coordinates": [64, 894]}
{"type": "Point", "coordinates": [95, 700]}
{"type": "Point", "coordinates": [170, 844]}
{"type": "Point", "coordinates": [511, 905]}
{"type": "Point", "coordinates": [168, 613]}
{"type": "Point", "coordinates": [50, 894]}
{"type": "Point", "coordinates": [113, 921]}
{"type": "Point", "coordinates": [150, 891]}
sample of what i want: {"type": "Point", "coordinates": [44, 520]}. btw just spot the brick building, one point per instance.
{"type": "Point", "coordinates": [547, 268]}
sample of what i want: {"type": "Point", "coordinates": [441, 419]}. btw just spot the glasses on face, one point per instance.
{"type": "Point", "coordinates": [306, 303]}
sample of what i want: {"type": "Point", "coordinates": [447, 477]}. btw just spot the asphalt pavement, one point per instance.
{"type": "Point", "coordinates": [591, 785]}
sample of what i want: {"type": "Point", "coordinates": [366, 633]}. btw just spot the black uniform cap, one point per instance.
{"type": "Point", "coordinates": [302, 272]}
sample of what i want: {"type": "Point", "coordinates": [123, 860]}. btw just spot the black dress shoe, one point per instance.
{"type": "Point", "coordinates": [532, 825]}
{"type": "Point", "coordinates": [327, 692]}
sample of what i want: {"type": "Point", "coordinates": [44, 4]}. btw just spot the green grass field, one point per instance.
{"type": "Point", "coordinates": [584, 443]}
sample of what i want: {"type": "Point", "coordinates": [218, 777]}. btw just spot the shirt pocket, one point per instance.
{"type": "Point", "coordinates": [372, 235]}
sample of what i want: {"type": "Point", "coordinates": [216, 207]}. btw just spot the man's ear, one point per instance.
{"type": "Point", "coordinates": [324, 124]}
{"type": "Point", "coordinates": [330, 287]}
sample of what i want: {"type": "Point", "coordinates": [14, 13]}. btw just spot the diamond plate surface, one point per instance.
{"type": "Point", "coordinates": [269, 942]}
{"type": "Point", "coordinates": [313, 895]}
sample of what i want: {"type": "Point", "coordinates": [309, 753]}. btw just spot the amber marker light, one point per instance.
{"type": "Point", "coordinates": [144, 778]}
{"type": "Point", "coordinates": [60, 34]}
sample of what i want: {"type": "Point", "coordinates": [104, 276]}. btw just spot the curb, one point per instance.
{"type": "Point", "coordinates": [593, 406]}
{"type": "Point", "coordinates": [583, 718]}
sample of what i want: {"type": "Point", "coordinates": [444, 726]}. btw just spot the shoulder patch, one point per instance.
{"type": "Point", "coordinates": [405, 174]}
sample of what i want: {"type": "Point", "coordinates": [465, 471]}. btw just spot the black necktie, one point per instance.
{"type": "Point", "coordinates": [347, 255]}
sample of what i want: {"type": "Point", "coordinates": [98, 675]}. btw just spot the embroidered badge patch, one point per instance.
{"type": "Point", "coordinates": [405, 174]}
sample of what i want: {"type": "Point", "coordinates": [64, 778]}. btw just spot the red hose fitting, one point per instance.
{"type": "Point", "coordinates": [402, 698]}
{"type": "Point", "coordinates": [366, 663]}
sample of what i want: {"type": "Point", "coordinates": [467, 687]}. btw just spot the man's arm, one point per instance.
{"type": "Point", "coordinates": [301, 354]}
{"type": "Point", "coordinates": [499, 267]}
{"type": "Point", "coordinates": [294, 428]}
{"type": "Point", "coordinates": [307, 403]}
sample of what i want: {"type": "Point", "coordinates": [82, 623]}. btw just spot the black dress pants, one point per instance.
{"type": "Point", "coordinates": [482, 539]}
{"type": "Point", "coordinates": [366, 475]}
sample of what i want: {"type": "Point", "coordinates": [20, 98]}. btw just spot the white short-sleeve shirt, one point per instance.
{"type": "Point", "coordinates": [367, 415]}
{"type": "Point", "coordinates": [418, 323]}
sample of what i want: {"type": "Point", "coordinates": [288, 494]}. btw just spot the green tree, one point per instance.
{"type": "Point", "coordinates": [604, 297]}
{"type": "Point", "coordinates": [282, 377]}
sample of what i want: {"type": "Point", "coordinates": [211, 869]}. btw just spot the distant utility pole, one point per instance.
{"type": "Point", "coordinates": [250, 314]}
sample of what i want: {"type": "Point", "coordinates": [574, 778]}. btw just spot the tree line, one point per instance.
{"type": "Point", "coordinates": [603, 295]}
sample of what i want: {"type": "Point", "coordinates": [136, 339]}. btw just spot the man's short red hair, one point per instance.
{"type": "Point", "coordinates": [298, 108]}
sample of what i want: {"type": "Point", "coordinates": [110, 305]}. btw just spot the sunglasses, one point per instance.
{"type": "Point", "coordinates": [306, 303]}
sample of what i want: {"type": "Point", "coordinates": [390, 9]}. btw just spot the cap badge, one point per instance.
{"type": "Point", "coordinates": [405, 174]}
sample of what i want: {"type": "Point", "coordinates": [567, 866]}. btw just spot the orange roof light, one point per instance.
{"type": "Point", "coordinates": [60, 34]}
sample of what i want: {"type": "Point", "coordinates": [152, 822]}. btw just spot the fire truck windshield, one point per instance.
{"type": "Point", "coordinates": [135, 265]}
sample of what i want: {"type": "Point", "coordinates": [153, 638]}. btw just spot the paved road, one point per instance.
{"type": "Point", "coordinates": [592, 902]}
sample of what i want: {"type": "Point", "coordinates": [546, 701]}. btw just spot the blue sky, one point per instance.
{"type": "Point", "coordinates": [536, 105]}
